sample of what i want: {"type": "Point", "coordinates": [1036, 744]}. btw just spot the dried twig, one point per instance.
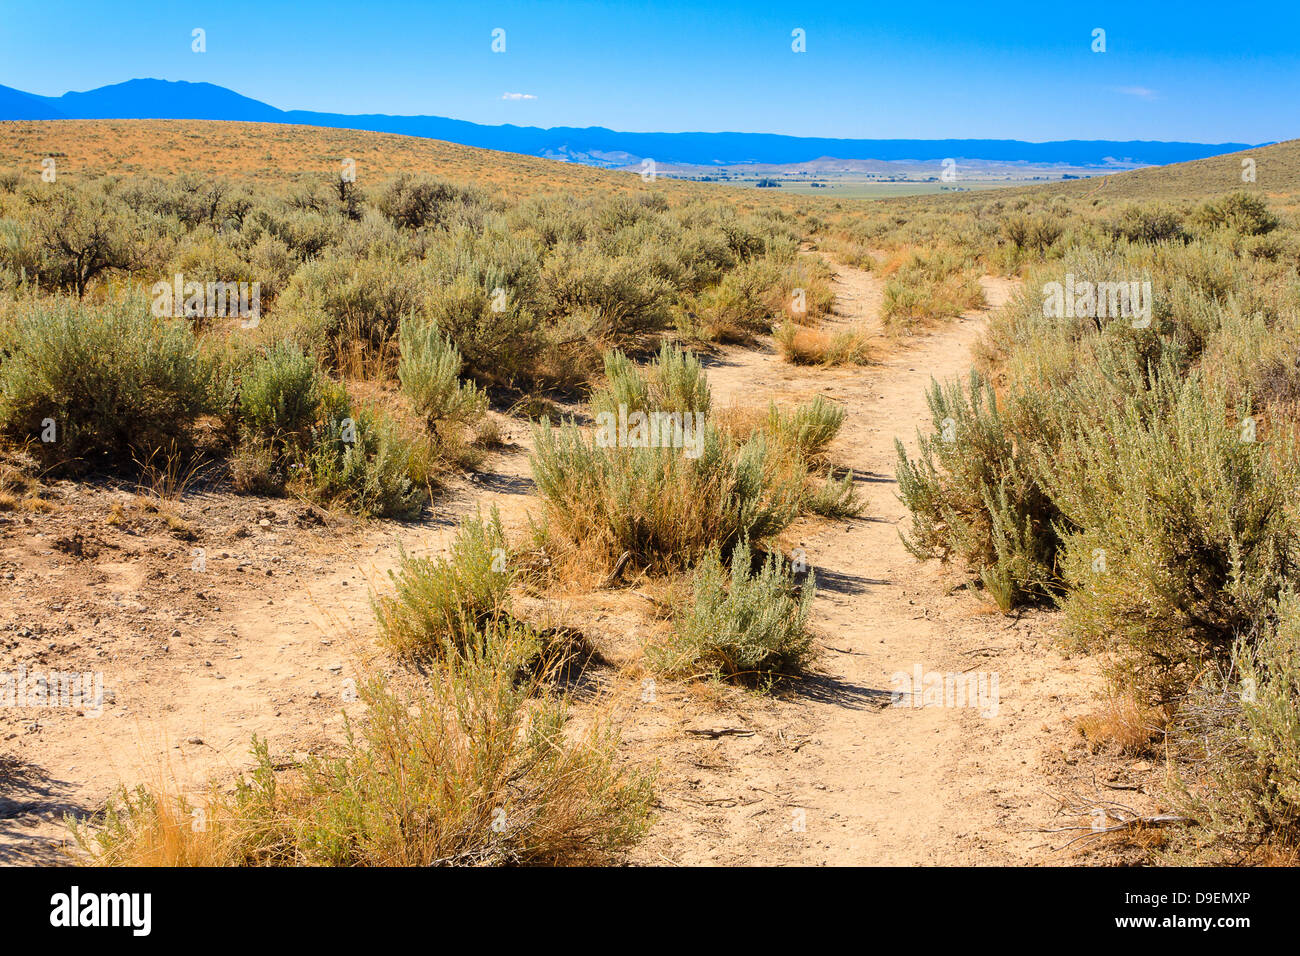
{"type": "Point", "coordinates": [610, 578]}
{"type": "Point", "coordinates": [722, 732]}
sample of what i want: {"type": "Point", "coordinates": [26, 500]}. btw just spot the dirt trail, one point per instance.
{"type": "Point", "coordinates": [268, 638]}
{"type": "Point", "coordinates": [827, 772]}
{"type": "Point", "coordinates": [833, 774]}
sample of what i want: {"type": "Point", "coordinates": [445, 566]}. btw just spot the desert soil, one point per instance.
{"type": "Point", "coordinates": [262, 636]}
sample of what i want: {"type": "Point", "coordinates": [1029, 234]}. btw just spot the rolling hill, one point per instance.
{"type": "Point", "coordinates": [286, 154]}
{"type": "Point", "coordinates": [598, 146]}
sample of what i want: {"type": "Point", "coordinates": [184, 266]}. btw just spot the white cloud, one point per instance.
{"type": "Point", "coordinates": [1139, 91]}
{"type": "Point", "coordinates": [518, 96]}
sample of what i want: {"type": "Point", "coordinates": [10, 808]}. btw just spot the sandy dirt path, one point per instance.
{"type": "Point", "coordinates": [833, 773]}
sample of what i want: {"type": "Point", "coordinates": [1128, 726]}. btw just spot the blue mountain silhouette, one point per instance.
{"type": "Point", "coordinates": [167, 99]}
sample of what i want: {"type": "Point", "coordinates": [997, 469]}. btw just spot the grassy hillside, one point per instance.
{"type": "Point", "coordinates": [278, 154]}
{"type": "Point", "coordinates": [273, 154]}
{"type": "Point", "coordinates": [1277, 178]}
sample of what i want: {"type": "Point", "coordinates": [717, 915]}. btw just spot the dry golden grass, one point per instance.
{"type": "Point", "coordinates": [1123, 722]}
{"type": "Point", "coordinates": [272, 153]}
{"type": "Point", "coordinates": [801, 345]}
{"type": "Point", "coordinates": [477, 767]}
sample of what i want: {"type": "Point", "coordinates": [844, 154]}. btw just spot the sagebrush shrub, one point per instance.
{"type": "Point", "coordinates": [338, 308]}
{"type": "Point", "coordinates": [1240, 211]}
{"type": "Point", "coordinates": [447, 601]}
{"type": "Point", "coordinates": [1148, 224]}
{"type": "Point", "coordinates": [82, 233]}
{"type": "Point", "coordinates": [808, 430]}
{"type": "Point", "coordinates": [280, 395]}
{"type": "Point", "coordinates": [497, 346]}
{"type": "Point", "coordinates": [743, 624]}
{"type": "Point", "coordinates": [367, 465]}
{"type": "Point", "coordinates": [974, 496]}
{"type": "Point", "coordinates": [1237, 740]}
{"type": "Point", "coordinates": [673, 382]}
{"type": "Point", "coordinates": [834, 498]}
{"type": "Point", "coordinates": [929, 286]}
{"type": "Point", "coordinates": [1184, 536]}
{"type": "Point", "coordinates": [429, 370]}
{"type": "Point", "coordinates": [413, 202]}
{"type": "Point", "coordinates": [424, 778]}
{"type": "Point", "coordinates": [107, 383]}
{"type": "Point", "coordinates": [661, 506]}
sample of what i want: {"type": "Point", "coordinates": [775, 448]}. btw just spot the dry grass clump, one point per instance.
{"type": "Point", "coordinates": [662, 507]}
{"type": "Point", "coordinates": [478, 767]}
{"type": "Point", "coordinates": [19, 488]}
{"type": "Point", "coordinates": [801, 345]}
{"type": "Point", "coordinates": [448, 601]}
{"type": "Point", "coordinates": [1125, 723]}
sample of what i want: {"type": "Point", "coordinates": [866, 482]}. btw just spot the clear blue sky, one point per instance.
{"type": "Point", "coordinates": [1206, 72]}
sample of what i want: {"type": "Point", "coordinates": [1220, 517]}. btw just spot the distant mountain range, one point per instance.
{"type": "Point", "coordinates": [595, 145]}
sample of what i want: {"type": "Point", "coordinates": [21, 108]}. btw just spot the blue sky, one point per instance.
{"type": "Point", "coordinates": [1189, 71]}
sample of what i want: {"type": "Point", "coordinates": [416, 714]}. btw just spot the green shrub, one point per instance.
{"type": "Point", "coordinates": [742, 305]}
{"type": "Point", "coordinates": [338, 308]}
{"type": "Point", "coordinates": [1033, 234]}
{"type": "Point", "coordinates": [82, 233]}
{"type": "Point", "coordinates": [744, 625]}
{"type": "Point", "coordinates": [808, 430]}
{"type": "Point", "coordinates": [116, 383]}
{"type": "Point", "coordinates": [280, 396]}
{"type": "Point", "coordinates": [366, 465]}
{"type": "Point", "coordinates": [429, 370]}
{"type": "Point", "coordinates": [1184, 531]}
{"type": "Point", "coordinates": [930, 286]}
{"type": "Point", "coordinates": [625, 386]}
{"type": "Point", "coordinates": [446, 602]}
{"type": "Point", "coordinates": [1241, 212]}
{"type": "Point", "coordinates": [627, 297]}
{"type": "Point", "coordinates": [835, 499]}
{"type": "Point", "coordinates": [412, 202]}
{"type": "Point", "coordinates": [662, 506]}
{"type": "Point", "coordinates": [678, 382]}
{"type": "Point", "coordinates": [673, 382]}
{"type": "Point", "coordinates": [1237, 743]}
{"type": "Point", "coordinates": [1147, 224]}
{"type": "Point", "coordinates": [497, 346]}
{"type": "Point", "coordinates": [975, 497]}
